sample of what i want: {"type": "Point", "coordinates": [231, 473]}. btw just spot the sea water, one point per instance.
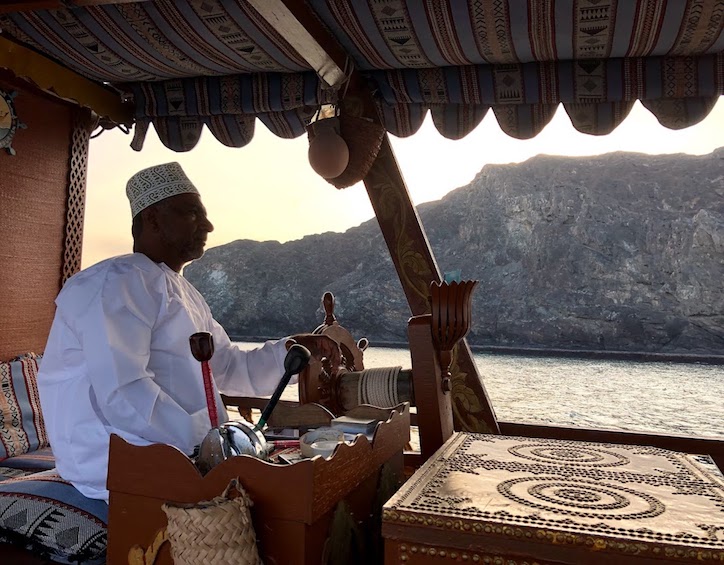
{"type": "Point", "coordinates": [663, 397]}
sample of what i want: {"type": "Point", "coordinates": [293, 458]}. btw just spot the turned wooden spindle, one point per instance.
{"type": "Point", "coordinates": [202, 348]}
{"type": "Point", "coordinates": [328, 302]}
{"type": "Point", "coordinates": [451, 309]}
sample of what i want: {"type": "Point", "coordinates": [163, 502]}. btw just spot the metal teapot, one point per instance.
{"type": "Point", "coordinates": [230, 439]}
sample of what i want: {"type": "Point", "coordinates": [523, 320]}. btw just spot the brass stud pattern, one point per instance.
{"type": "Point", "coordinates": [412, 553]}
{"type": "Point", "coordinates": [598, 486]}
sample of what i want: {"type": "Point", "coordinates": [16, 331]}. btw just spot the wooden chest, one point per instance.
{"type": "Point", "coordinates": [514, 500]}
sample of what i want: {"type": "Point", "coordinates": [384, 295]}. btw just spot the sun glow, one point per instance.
{"type": "Point", "coordinates": [268, 191]}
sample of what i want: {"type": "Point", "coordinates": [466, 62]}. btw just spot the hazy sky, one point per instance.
{"type": "Point", "coordinates": [267, 190]}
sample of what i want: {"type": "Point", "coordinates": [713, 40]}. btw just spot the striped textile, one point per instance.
{"type": "Point", "coordinates": [11, 473]}
{"type": "Point", "coordinates": [47, 515]}
{"type": "Point", "coordinates": [150, 41]}
{"type": "Point", "coordinates": [424, 34]}
{"type": "Point", "coordinates": [597, 94]}
{"type": "Point", "coordinates": [22, 429]}
{"type": "Point", "coordinates": [40, 460]}
{"type": "Point", "coordinates": [217, 63]}
{"type": "Point", "coordinates": [228, 106]}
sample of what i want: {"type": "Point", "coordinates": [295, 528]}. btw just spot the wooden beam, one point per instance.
{"type": "Point", "coordinates": [31, 5]}
{"type": "Point", "coordinates": [417, 268]}
{"type": "Point", "coordinates": [278, 15]}
{"type": "Point", "coordinates": [64, 83]}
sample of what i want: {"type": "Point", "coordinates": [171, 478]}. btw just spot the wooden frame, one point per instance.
{"type": "Point", "coordinates": [62, 82]}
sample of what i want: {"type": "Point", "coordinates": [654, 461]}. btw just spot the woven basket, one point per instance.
{"type": "Point", "coordinates": [216, 532]}
{"type": "Point", "coordinates": [364, 139]}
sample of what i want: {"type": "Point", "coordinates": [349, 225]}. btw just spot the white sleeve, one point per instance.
{"type": "Point", "coordinates": [246, 373]}
{"type": "Point", "coordinates": [116, 340]}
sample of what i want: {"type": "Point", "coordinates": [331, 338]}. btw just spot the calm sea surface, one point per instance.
{"type": "Point", "coordinates": [679, 398]}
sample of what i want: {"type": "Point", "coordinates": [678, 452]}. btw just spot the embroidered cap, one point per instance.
{"type": "Point", "coordinates": [157, 183]}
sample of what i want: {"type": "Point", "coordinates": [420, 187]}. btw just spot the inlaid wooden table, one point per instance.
{"type": "Point", "coordinates": [514, 500]}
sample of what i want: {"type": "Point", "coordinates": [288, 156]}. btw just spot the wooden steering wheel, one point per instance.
{"type": "Point", "coordinates": [319, 382]}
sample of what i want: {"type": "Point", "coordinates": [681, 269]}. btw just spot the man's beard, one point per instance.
{"type": "Point", "coordinates": [193, 251]}
{"type": "Point", "coordinates": [188, 251]}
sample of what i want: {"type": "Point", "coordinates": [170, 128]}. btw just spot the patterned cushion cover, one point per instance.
{"type": "Point", "coordinates": [21, 423]}
{"type": "Point", "coordinates": [10, 473]}
{"type": "Point", "coordinates": [28, 463]}
{"type": "Point", "coordinates": [47, 515]}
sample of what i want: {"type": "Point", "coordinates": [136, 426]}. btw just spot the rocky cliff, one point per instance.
{"type": "Point", "coordinates": [620, 252]}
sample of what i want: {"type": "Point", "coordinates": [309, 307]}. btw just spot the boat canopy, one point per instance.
{"type": "Point", "coordinates": [186, 64]}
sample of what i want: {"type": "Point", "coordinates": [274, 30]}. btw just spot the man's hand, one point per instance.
{"type": "Point", "coordinates": [319, 346]}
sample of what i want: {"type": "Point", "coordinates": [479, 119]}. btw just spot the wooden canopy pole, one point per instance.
{"type": "Point", "coordinates": [282, 19]}
{"type": "Point", "coordinates": [416, 266]}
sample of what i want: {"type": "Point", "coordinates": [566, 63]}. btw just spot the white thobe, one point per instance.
{"type": "Point", "coordinates": [118, 361]}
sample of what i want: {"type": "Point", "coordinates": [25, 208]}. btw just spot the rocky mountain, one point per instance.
{"type": "Point", "coordinates": [619, 252]}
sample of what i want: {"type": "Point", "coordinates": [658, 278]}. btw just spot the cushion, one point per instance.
{"type": "Point", "coordinates": [21, 423]}
{"type": "Point", "coordinates": [10, 473]}
{"type": "Point", "coordinates": [39, 460]}
{"type": "Point", "coordinates": [48, 516]}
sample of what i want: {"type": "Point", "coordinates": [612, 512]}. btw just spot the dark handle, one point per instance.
{"type": "Point", "coordinates": [202, 346]}
{"type": "Point", "coordinates": [296, 360]}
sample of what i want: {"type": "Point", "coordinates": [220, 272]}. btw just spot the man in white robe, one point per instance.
{"type": "Point", "coordinates": [118, 360]}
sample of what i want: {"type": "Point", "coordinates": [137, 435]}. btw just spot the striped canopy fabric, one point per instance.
{"type": "Point", "coordinates": [190, 63]}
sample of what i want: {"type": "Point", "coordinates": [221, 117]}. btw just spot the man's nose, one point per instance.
{"type": "Point", "coordinates": [207, 225]}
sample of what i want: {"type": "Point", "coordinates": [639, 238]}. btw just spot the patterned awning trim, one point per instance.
{"type": "Point", "coordinates": [597, 94]}
{"type": "Point", "coordinates": [227, 105]}
{"type": "Point", "coordinates": [240, 94]}
{"type": "Point", "coordinates": [524, 121]}
{"type": "Point", "coordinates": [182, 133]}
{"type": "Point", "coordinates": [217, 63]}
{"type": "Point", "coordinates": [590, 81]}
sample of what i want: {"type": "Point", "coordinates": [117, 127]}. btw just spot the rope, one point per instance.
{"type": "Point", "coordinates": [378, 387]}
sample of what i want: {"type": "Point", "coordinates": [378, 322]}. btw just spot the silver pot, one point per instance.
{"type": "Point", "coordinates": [228, 440]}
{"type": "Point", "coordinates": [242, 438]}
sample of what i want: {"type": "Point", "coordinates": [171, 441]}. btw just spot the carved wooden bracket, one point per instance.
{"type": "Point", "coordinates": [451, 308]}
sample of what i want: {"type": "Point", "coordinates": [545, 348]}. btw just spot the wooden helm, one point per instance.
{"type": "Point", "coordinates": [318, 383]}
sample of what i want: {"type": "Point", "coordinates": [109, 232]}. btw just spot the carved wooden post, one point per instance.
{"type": "Point", "coordinates": [432, 339]}
{"type": "Point", "coordinates": [434, 413]}
{"type": "Point", "coordinates": [83, 125]}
